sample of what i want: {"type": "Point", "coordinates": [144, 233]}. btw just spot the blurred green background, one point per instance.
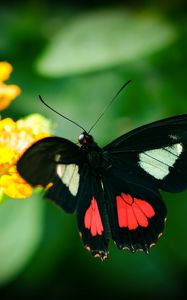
{"type": "Point", "coordinates": [77, 54]}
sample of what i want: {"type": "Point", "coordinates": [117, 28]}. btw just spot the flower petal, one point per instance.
{"type": "Point", "coordinates": [15, 187]}
{"type": "Point", "coordinates": [5, 70]}
{"type": "Point", "coordinates": [6, 154]}
{"type": "Point", "coordinates": [7, 94]}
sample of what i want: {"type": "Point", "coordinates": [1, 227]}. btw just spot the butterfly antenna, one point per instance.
{"type": "Point", "coordinates": [60, 114]}
{"type": "Point", "coordinates": [110, 103]}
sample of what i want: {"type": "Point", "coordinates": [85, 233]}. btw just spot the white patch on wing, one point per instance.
{"type": "Point", "coordinates": [157, 162]}
{"type": "Point", "coordinates": [174, 137]}
{"type": "Point", "coordinates": [69, 175]}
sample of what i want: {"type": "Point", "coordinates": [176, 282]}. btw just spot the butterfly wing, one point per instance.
{"type": "Point", "coordinates": [92, 217]}
{"type": "Point", "coordinates": [54, 161]}
{"type": "Point", "coordinates": [136, 212]}
{"type": "Point", "coordinates": [156, 151]}
{"type": "Point", "coordinates": [143, 161]}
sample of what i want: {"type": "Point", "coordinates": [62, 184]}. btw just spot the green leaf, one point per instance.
{"type": "Point", "coordinates": [102, 39]}
{"type": "Point", "coordinates": [20, 234]}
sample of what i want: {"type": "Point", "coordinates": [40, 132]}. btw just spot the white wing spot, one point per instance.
{"type": "Point", "coordinates": [157, 162]}
{"type": "Point", "coordinates": [69, 175]}
{"type": "Point", "coordinates": [179, 149]}
{"type": "Point", "coordinates": [57, 157]}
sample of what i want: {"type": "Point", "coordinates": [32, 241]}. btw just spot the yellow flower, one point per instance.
{"type": "Point", "coordinates": [7, 92]}
{"type": "Point", "coordinates": [15, 138]}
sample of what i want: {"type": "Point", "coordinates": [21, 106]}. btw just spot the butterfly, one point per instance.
{"type": "Point", "coordinates": [114, 190]}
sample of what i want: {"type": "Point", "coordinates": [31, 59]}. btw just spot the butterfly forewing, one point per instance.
{"type": "Point", "coordinates": [152, 136]}
{"type": "Point", "coordinates": [156, 151]}
{"type": "Point", "coordinates": [56, 162]}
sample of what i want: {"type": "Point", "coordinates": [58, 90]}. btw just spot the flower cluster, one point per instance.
{"type": "Point", "coordinates": [15, 138]}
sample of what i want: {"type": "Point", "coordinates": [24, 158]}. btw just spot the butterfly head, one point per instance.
{"type": "Point", "coordinates": [85, 138]}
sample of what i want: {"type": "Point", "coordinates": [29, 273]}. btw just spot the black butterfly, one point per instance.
{"type": "Point", "coordinates": [113, 190]}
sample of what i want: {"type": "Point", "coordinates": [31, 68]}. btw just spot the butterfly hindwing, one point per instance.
{"type": "Point", "coordinates": [92, 216]}
{"type": "Point", "coordinates": [136, 213]}
{"type": "Point", "coordinates": [56, 162]}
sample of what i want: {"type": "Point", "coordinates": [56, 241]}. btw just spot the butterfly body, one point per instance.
{"type": "Point", "coordinates": [93, 155]}
{"type": "Point", "coordinates": [114, 190]}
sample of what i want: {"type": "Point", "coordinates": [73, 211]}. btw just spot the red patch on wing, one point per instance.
{"type": "Point", "coordinates": [133, 212]}
{"type": "Point", "coordinates": [92, 219]}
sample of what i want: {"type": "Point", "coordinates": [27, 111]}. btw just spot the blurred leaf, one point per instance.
{"type": "Point", "coordinates": [55, 247]}
{"type": "Point", "coordinates": [144, 272]}
{"type": "Point", "coordinates": [101, 39]}
{"type": "Point", "coordinates": [20, 234]}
